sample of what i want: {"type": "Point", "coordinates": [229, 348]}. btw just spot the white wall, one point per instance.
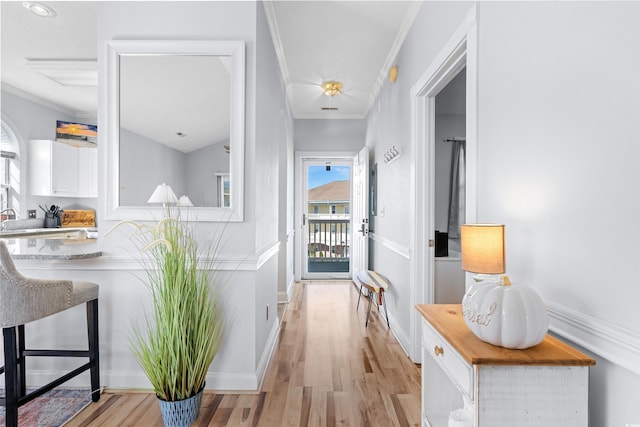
{"type": "Point", "coordinates": [203, 167]}
{"type": "Point", "coordinates": [347, 135]}
{"type": "Point", "coordinates": [557, 159]}
{"type": "Point", "coordinates": [145, 164]}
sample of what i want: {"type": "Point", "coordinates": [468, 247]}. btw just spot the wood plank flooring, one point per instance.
{"type": "Point", "coordinates": [328, 370]}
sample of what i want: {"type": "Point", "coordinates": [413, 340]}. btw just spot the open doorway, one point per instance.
{"type": "Point", "coordinates": [449, 189]}
{"type": "Point", "coordinates": [326, 231]}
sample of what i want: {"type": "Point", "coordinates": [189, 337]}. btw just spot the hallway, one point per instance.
{"type": "Point", "coordinates": [328, 370]}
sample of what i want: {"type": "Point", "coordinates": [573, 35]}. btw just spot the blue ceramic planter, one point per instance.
{"type": "Point", "coordinates": [180, 413]}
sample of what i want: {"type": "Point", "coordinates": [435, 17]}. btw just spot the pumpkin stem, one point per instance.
{"type": "Point", "coordinates": [504, 281]}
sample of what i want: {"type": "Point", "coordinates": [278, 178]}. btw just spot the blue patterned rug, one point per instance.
{"type": "Point", "coordinates": [52, 409]}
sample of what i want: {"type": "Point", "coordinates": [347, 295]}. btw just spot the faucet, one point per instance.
{"type": "Point", "coordinates": [12, 216]}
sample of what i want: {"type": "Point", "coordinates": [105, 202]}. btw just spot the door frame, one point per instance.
{"type": "Point", "coordinates": [460, 51]}
{"type": "Point", "coordinates": [300, 180]}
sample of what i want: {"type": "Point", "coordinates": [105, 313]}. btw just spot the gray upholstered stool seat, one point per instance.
{"type": "Point", "coordinates": [23, 300]}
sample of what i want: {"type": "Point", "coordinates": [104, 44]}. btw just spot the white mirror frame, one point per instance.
{"type": "Point", "coordinates": [234, 49]}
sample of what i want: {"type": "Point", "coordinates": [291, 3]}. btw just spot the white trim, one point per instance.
{"type": "Point", "coordinates": [299, 197]}
{"type": "Point", "coordinates": [124, 263]}
{"type": "Point", "coordinates": [455, 54]}
{"type": "Point", "coordinates": [269, 350]}
{"type": "Point", "coordinates": [617, 344]}
{"type": "Point", "coordinates": [266, 254]}
{"type": "Point", "coordinates": [109, 136]}
{"type": "Point", "coordinates": [396, 247]}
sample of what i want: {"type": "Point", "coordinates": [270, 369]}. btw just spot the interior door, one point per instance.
{"type": "Point", "coordinates": [360, 212]}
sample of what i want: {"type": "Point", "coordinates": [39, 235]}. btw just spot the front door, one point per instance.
{"type": "Point", "coordinates": [360, 217]}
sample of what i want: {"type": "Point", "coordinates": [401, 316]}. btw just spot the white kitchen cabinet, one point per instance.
{"type": "Point", "coordinates": [545, 385]}
{"type": "Point", "coordinates": [87, 172]}
{"type": "Point", "coordinates": [55, 169]}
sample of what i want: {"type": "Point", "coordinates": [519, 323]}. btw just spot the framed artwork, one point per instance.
{"type": "Point", "coordinates": [76, 133]}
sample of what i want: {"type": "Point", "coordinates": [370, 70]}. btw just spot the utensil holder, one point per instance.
{"type": "Point", "coordinates": [50, 222]}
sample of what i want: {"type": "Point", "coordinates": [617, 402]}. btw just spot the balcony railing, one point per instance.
{"type": "Point", "coordinates": [329, 245]}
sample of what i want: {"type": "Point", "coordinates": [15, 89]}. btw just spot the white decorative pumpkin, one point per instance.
{"type": "Point", "coordinates": [505, 315]}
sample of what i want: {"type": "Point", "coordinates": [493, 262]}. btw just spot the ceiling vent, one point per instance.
{"type": "Point", "coordinates": [329, 108]}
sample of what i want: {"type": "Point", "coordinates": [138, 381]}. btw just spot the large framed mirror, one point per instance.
{"type": "Point", "coordinates": [175, 116]}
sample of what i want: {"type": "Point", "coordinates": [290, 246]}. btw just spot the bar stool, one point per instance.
{"type": "Point", "coordinates": [23, 300]}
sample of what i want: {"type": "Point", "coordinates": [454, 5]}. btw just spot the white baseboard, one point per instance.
{"type": "Point", "coordinates": [285, 296]}
{"type": "Point", "coordinates": [272, 343]}
{"type": "Point", "coordinates": [401, 337]}
{"type": "Point", "coordinates": [612, 342]}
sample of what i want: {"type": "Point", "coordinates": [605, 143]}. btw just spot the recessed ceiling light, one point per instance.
{"type": "Point", "coordinates": [40, 9]}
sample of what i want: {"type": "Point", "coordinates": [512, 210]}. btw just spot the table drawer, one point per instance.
{"type": "Point", "coordinates": [449, 359]}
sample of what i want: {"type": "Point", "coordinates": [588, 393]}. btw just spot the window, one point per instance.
{"type": "Point", "coordinates": [224, 191]}
{"type": "Point", "coordinates": [346, 210]}
{"type": "Point", "coordinates": [333, 209]}
{"type": "Point", "coordinates": [9, 170]}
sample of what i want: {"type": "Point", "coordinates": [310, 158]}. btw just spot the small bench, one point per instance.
{"type": "Point", "coordinates": [376, 285]}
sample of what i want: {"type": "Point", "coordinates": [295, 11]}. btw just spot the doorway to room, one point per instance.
{"type": "Point", "coordinates": [449, 190]}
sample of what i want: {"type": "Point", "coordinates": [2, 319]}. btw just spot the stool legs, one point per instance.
{"type": "Point", "coordinates": [22, 364]}
{"type": "Point", "coordinates": [15, 365]}
{"type": "Point", "coordinates": [359, 295]}
{"type": "Point", "coordinates": [386, 314]}
{"type": "Point", "coordinates": [94, 354]}
{"type": "Point", "coordinates": [369, 310]}
{"type": "Point", "coordinates": [11, 380]}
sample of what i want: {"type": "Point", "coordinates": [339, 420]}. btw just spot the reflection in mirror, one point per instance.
{"type": "Point", "coordinates": [175, 116]}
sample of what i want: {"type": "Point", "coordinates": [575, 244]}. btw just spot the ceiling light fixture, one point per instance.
{"type": "Point", "coordinates": [332, 88]}
{"type": "Point", "coordinates": [39, 9]}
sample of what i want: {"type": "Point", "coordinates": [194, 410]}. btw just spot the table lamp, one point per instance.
{"type": "Point", "coordinates": [184, 200]}
{"type": "Point", "coordinates": [495, 311]}
{"type": "Point", "coordinates": [163, 194]}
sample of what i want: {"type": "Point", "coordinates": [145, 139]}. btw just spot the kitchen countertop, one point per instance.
{"type": "Point", "coordinates": [32, 247]}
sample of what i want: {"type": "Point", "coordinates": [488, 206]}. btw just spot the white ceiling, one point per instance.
{"type": "Point", "coordinates": [352, 42]}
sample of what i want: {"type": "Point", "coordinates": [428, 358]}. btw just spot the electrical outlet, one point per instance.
{"type": "Point", "coordinates": [267, 311]}
{"type": "Point", "coordinates": [31, 213]}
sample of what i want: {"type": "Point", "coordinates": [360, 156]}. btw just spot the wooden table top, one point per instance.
{"type": "Point", "coordinates": [448, 321]}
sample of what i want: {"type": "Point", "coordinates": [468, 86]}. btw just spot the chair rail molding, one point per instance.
{"type": "Point", "coordinates": [614, 343]}
{"type": "Point", "coordinates": [396, 247]}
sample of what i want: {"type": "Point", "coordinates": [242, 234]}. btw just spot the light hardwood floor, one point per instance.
{"type": "Point", "coordinates": [328, 370]}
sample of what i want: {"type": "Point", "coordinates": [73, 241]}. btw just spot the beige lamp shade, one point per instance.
{"type": "Point", "coordinates": [163, 194]}
{"type": "Point", "coordinates": [483, 248]}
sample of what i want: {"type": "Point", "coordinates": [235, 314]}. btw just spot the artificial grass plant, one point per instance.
{"type": "Point", "coordinates": [182, 336]}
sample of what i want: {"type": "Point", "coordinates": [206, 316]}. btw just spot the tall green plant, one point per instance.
{"type": "Point", "coordinates": [179, 341]}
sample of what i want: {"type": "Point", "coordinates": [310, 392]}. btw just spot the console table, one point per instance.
{"type": "Point", "coordinates": [545, 385]}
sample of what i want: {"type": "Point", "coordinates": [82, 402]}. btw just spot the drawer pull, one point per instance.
{"type": "Point", "coordinates": [438, 350]}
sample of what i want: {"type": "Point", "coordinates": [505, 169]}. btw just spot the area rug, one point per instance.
{"type": "Point", "coordinates": [52, 409]}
